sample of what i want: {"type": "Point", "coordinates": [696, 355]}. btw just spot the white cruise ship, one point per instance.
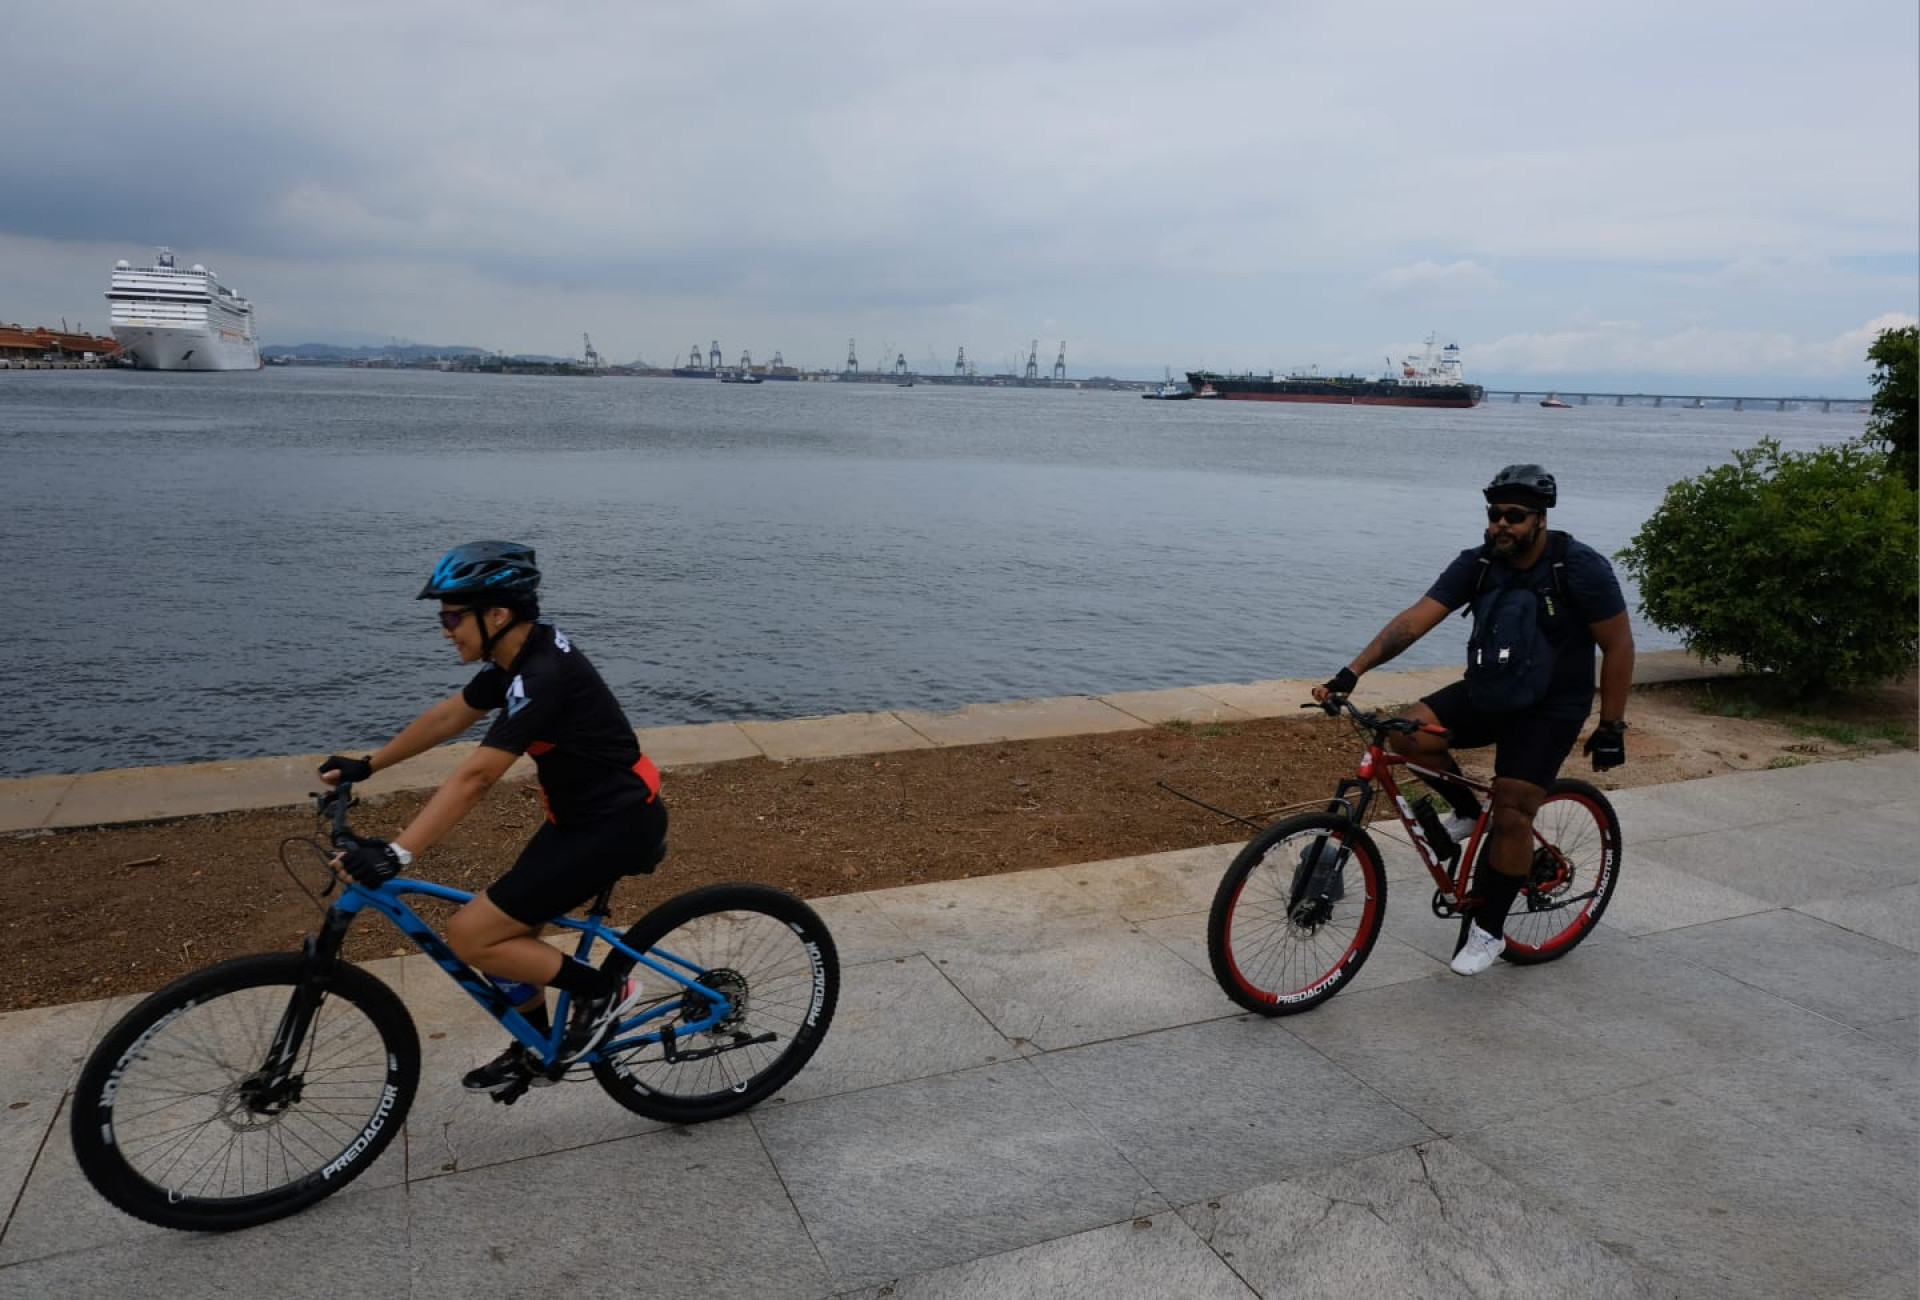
{"type": "Point", "coordinates": [169, 319]}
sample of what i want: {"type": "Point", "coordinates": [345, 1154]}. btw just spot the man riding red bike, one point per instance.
{"type": "Point", "coordinates": [1542, 603]}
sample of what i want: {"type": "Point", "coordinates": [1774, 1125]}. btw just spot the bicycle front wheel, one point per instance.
{"type": "Point", "coordinates": [175, 1121]}
{"type": "Point", "coordinates": [769, 955]}
{"type": "Point", "coordinates": [1576, 864]}
{"type": "Point", "coordinates": [1296, 914]}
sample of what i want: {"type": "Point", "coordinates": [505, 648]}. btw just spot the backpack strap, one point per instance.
{"type": "Point", "coordinates": [1556, 553]}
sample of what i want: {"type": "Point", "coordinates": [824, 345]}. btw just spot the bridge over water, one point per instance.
{"type": "Point", "coordinates": [1689, 400]}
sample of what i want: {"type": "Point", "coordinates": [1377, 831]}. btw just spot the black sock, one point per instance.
{"type": "Point", "coordinates": [536, 1013]}
{"type": "Point", "coordinates": [1497, 890]}
{"type": "Point", "coordinates": [581, 980]}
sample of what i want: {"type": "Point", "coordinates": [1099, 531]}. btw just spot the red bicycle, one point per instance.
{"type": "Point", "coordinates": [1301, 907]}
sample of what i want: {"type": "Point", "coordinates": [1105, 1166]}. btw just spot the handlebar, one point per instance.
{"type": "Point", "coordinates": [1335, 705]}
{"type": "Point", "coordinates": [334, 804]}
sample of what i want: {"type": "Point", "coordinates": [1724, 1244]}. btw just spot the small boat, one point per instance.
{"type": "Point", "coordinates": [1169, 392]}
{"type": "Point", "coordinates": [739, 377]}
{"type": "Point", "coordinates": [1553, 400]}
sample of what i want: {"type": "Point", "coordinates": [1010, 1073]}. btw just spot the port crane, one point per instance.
{"type": "Point", "coordinates": [1060, 364]}
{"type": "Point", "coordinates": [592, 357]}
{"type": "Point", "coordinates": [1033, 360]}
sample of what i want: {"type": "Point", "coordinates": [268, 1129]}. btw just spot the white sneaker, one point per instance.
{"type": "Point", "coordinates": [1478, 952]}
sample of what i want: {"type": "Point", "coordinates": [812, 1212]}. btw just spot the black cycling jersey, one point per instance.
{"type": "Point", "coordinates": [1593, 596]}
{"type": "Point", "coordinates": [556, 709]}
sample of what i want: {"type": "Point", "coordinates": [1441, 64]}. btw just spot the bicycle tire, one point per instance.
{"type": "Point", "coordinates": [1277, 943]}
{"type": "Point", "coordinates": [772, 956]}
{"type": "Point", "coordinates": [1572, 878]}
{"type": "Point", "coordinates": [160, 1123]}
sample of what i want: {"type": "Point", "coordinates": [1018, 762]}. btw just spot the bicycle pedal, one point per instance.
{"type": "Point", "coordinates": [512, 1092]}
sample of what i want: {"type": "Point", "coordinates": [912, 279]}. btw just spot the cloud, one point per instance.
{"type": "Point", "coordinates": [1623, 347]}
{"type": "Point", "coordinates": [1431, 282]}
{"type": "Point", "coordinates": [1259, 184]}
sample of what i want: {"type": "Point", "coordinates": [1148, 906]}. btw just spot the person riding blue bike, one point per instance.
{"type": "Point", "coordinates": [605, 817]}
{"type": "Point", "coordinates": [1542, 603]}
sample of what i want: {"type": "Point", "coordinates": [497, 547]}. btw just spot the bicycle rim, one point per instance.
{"type": "Point", "coordinates": [1576, 864]}
{"type": "Point", "coordinates": [1278, 944]}
{"type": "Point", "coordinates": [771, 957]}
{"type": "Point", "coordinates": [170, 1125]}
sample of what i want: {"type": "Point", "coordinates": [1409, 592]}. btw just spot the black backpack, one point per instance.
{"type": "Point", "coordinates": [1517, 628]}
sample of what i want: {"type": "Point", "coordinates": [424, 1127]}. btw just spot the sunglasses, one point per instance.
{"type": "Point", "coordinates": [1506, 515]}
{"type": "Point", "coordinates": [450, 618]}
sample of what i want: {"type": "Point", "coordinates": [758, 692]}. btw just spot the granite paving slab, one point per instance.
{"type": "Point", "coordinates": [1461, 1054]}
{"type": "Point", "coordinates": [897, 1020]}
{"type": "Point", "coordinates": [1421, 1221]}
{"type": "Point", "coordinates": [1677, 1017]}
{"type": "Point", "coordinates": [1719, 1197]}
{"type": "Point", "coordinates": [908, 1178]}
{"type": "Point", "coordinates": [1154, 1257]}
{"type": "Point", "coordinates": [694, 1211]}
{"type": "Point", "coordinates": [1203, 1110]}
{"type": "Point", "coordinates": [1058, 981]}
{"type": "Point", "coordinates": [1891, 916]}
{"type": "Point", "coordinates": [1804, 960]}
{"type": "Point", "coordinates": [1652, 896]}
{"type": "Point", "coordinates": [348, 1245]}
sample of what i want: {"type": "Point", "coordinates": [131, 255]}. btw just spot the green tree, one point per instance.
{"type": "Point", "coordinates": [1801, 565]}
{"type": "Point", "coordinates": [1894, 425]}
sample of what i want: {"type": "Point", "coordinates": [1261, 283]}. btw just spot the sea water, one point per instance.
{"type": "Point", "coordinates": [225, 565]}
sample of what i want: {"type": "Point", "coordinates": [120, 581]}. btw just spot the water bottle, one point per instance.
{"type": "Point", "coordinates": [1437, 838]}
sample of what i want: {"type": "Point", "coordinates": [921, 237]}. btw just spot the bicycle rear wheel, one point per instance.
{"type": "Point", "coordinates": [174, 1122]}
{"type": "Point", "coordinates": [1296, 914]}
{"type": "Point", "coordinates": [1576, 864]}
{"type": "Point", "coordinates": [769, 955]}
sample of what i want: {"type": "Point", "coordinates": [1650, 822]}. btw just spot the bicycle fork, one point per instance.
{"type": "Point", "coordinates": [275, 1085]}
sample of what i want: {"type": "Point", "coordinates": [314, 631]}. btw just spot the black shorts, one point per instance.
{"type": "Point", "coordinates": [1528, 747]}
{"type": "Point", "coordinates": [564, 866]}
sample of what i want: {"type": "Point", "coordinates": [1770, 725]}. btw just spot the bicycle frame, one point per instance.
{"type": "Point", "coordinates": [387, 899]}
{"type": "Point", "coordinates": [1376, 765]}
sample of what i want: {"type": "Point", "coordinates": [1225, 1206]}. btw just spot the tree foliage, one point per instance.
{"type": "Point", "coordinates": [1798, 564]}
{"type": "Point", "coordinates": [1894, 424]}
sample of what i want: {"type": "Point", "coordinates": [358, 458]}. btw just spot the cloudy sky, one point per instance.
{"type": "Point", "coordinates": [1654, 194]}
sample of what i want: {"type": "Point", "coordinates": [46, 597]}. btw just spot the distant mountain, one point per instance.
{"type": "Point", "coordinates": [401, 352]}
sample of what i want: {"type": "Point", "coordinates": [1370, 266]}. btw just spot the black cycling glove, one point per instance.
{"type": "Point", "coordinates": [1342, 682]}
{"type": "Point", "coordinates": [374, 862]}
{"type": "Point", "coordinates": [355, 770]}
{"type": "Point", "coordinates": [1607, 745]}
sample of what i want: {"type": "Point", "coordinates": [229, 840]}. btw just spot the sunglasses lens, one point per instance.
{"type": "Point", "coordinates": [450, 618]}
{"type": "Point", "coordinates": [1503, 515]}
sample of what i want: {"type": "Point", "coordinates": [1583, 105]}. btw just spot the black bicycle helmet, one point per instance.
{"type": "Point", "coordinates": [1522, 485]}
{"type": "Point", "coordinates": [480, 571]}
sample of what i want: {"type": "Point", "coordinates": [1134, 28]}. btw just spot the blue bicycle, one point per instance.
{"type": "Point", "coordinates": [251, 1089]}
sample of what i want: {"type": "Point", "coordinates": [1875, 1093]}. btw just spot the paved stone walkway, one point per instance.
{"type": "Point", "coordinates": [1034, 1088]}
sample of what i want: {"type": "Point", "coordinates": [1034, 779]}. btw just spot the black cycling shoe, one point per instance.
{"type": "Point", "coordinates": [593, 1017]}
{"type": "Point", "coordinates": [511, 1067]}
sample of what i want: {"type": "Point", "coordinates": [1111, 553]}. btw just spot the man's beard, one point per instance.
{"type": "Point", "coordinates": [1510, 542]}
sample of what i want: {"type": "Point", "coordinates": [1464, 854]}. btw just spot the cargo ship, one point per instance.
{"type": "Point", "coordinates": [1429, 379]}
{"type": "Point", "coordinates": [169, 319]}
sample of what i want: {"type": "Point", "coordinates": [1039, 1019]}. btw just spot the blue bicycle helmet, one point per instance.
{"type": "Point", "coordinates": [1522, 485]}
{"type": "Point", "coordinates": [484, 571]}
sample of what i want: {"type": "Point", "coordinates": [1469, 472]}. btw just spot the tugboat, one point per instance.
{"type": "Point", "coordinates": [1553, 400]}
{"type": "Point", "coordinates": [1169, 392]}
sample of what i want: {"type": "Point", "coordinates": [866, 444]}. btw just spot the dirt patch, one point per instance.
{"type": "Point", "coordinates": [101, 912]}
